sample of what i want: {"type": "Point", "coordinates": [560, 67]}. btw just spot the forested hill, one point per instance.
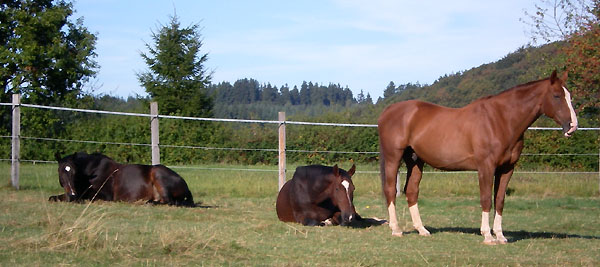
{"type": "Point", "coordinates": [459, 89]}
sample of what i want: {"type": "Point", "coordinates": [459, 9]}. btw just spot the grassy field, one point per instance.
{"type": "Point", "coordinates": [549, 220]}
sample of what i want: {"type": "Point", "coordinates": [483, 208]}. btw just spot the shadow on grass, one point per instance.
{"type": "Point", "coordinates": [366, 223]}
{"type": "Point", "coordinates": [512, 236]}
{"type": "Point", "coordinates": [199, 205]}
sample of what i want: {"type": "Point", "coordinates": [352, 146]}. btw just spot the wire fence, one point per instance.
{"type": "Point", "coordinates": [278, 122]}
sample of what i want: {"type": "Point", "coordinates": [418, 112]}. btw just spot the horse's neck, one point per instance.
{"type": "Point", "coordinates": [103, 169]}
{"type": "Point", "coordinates": [325, 193]}
{"type": "Point", "coordinates": [520, 107]}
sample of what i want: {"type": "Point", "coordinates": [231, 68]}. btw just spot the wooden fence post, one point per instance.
{"type": "Point", "coordinates": [154, 133]}
{"type": "Point", "coordinates": [16, 142]}
{"type": "Point", "coordinates": [281, 149]}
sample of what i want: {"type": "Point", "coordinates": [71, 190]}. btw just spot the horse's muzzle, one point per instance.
{"type": "Point", "coordinates": [569, 129]}
{"type": "Point", "coordinates": [347, 219]}
{"type": "Point", "coordinates": [72, 196]}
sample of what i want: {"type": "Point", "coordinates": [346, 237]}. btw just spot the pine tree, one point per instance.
{"type": "Point", "coordinates": [390, 90]}
{"type": "Point", "coordinates": [176, 78]}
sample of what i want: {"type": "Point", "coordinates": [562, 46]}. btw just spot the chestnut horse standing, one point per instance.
{"type": "Point", "coordinates": [486, 136]}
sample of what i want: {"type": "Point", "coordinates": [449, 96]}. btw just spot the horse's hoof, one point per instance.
{"type": "Point", "coordinates": [397, 233]}
{"type": "Point", "coordinates": [327, 222]}
{"type": "Point", "coordinates": [489, 243]}
{"type": "Point", "coordinates": [423, 231]}
{"type": "Point", "coordinates": [501, 240]}
{"type": "Point", "coordinates": [489, 240]}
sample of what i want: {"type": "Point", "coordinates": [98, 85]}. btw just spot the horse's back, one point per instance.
{"type": "Point", "coordinates": [411, 112]}
{"type": "Point", "coordinates": [173, 184]}
{"type": "Point", "coordinates": [132, 183]}
{"type": "Point", "coordinates": [151, 183]}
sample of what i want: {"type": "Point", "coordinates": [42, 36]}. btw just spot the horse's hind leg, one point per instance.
{"type": "Point", "coordinates": [414, 173]}
{"type": "Point", "coordinates": [486, 173]}
{"type": "Point", "coordinates": [390, 162]}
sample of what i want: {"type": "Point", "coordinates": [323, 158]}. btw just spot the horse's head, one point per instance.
{"type": "Point", "coordinates": [343, 193]}
{"type": "Point", "coordinates": [67, 173]}
{"type": "Point", "coordinates": [557, 104]}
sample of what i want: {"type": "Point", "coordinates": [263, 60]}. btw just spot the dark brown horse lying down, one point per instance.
{"type": "Point", "coordinates": [96, 176]}
{"type": "Point", "coordinates": [486, 136]}
{"type": "Point", "coordinates": [318, 195]}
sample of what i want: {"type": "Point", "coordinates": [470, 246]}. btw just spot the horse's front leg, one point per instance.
{"type": "Point", "coordinates": [485, 174]}
{"type": "Point", "coordinates": [502, 177]}
{"type": "Point", "coordinates": [62, 197]}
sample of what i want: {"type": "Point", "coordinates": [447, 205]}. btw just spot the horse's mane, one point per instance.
{"type": "Point", "coordinates": [85, 157]}
{"type": "Point", "coordinates": [510, 90]}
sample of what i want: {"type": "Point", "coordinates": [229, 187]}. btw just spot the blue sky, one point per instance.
{"type": "Point", "coordinates": [360, 44]}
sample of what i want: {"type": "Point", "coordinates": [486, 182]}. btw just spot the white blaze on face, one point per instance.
{"type": "Point", "coordinates": [572, 111]}
{"type": "Point", "coordinates": [68, 169]}
{"type": "Point", "coordinates": [346, 185]}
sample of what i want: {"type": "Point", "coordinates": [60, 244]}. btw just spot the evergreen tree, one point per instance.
{"type": "Point", "coordinates": [284, 95]}
{"type": "Point", "coordinates": [390, 90]}
{"type": "Point", "coordinates": [305, 92]}
{"type": "Point", "coordinates": [269, 93]}
{"type": "Point", "coordinates": [360, 98]}
{"type": "Point", "coordinates": [295, 96]}
{"type": "Point", "coordinates": [176, 78]}
{"type": "Point", "coordinates": [369, 100]}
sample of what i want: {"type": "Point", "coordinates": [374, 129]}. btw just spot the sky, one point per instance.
{"type": "Point", "coordinates": [360, 44]}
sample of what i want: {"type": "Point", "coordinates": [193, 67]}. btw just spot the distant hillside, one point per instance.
{"type": "Point", "coordinates": [458, 89]}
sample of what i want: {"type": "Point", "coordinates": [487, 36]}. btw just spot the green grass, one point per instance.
{"type": "Point", "coordinates": [548, 219]}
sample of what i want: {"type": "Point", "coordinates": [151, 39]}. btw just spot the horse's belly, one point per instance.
{"type": "Point", "coordinates": [444, 159]}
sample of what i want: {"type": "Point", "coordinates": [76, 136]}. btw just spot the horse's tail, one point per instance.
{"type": "Point", "coordinates": [382, 168]}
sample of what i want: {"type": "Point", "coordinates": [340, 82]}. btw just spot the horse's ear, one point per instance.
{"type": "Point", "coordinates": [57, 155]}
{"type": "Point", "coordinates": [352, 170]}
{"type": "Point", "coordinates": [565, 76]}
{"type": "Point", "coordinates": [553, 77]}
{"type": "Point", "coordinates": [336, 170]}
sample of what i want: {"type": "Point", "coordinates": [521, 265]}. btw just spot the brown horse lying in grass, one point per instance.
{"type": "Point", "coordinates": [486, 136]}
{"type": "Point", "coordinates": [96, 176]}
{"type": "Point", "coordinates": [318, 195]}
